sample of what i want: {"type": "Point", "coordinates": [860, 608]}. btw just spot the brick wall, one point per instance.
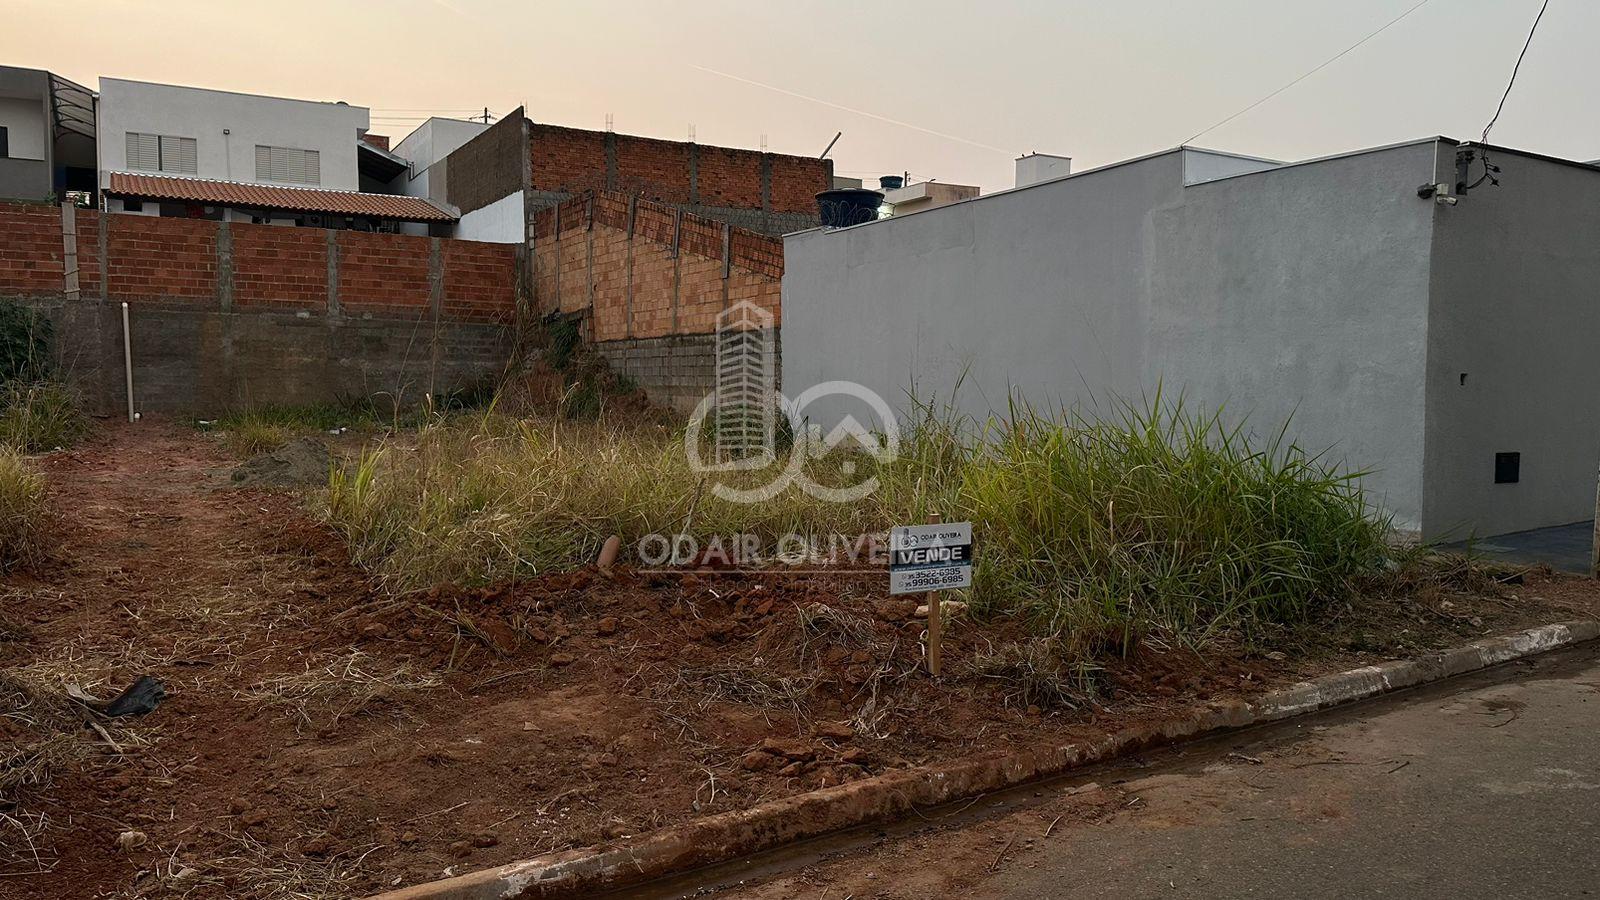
{"type": "Point", "coordinates": [283, 268]}
{"type": "Point", "coordinates": [30, 247]}
{"type": "Point", "coordinates": [155, 259]}
{"type": "Point", "coordinates": [227, 314]}
{"type": "Point", "coordinates": [651, 282]}
{"type": "Point", "coordinates": [567, 160]}
{"type": "Point", "coordinates": [766, 192]}
{"type": "Point", "coordinates": [384, 273]}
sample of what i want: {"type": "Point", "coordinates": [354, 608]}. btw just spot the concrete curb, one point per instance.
{"type": "Point", "coordinates": [719, 838]}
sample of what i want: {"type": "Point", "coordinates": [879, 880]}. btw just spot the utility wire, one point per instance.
{"type": "Point", "coordinates": [1514, 70]}
{"type": "Point", "coordinates": [1340, 55]}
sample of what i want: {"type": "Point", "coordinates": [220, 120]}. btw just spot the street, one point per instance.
{"type": "Point", "coordinates": [1487, 786]}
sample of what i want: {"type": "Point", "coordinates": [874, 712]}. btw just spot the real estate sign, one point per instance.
{"type": "Point", "coordinates": [930, 557]}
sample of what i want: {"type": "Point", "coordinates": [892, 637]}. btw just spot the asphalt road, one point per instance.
{"type": "Point", "coordinates": [1486, 786]}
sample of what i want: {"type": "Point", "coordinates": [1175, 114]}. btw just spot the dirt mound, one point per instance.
{"type": "Point", "coordinates": [301, 461]}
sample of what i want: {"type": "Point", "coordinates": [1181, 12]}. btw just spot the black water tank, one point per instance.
{"type": "Point", "coordinates": [892, 182]}
{"type": "Point", "coordinates": [844, 207]}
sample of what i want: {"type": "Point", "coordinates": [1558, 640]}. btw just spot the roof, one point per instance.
{"type": "Point", "coordinates": [264, 196]}
{"type": "Point", "coordinates": [379, 162]}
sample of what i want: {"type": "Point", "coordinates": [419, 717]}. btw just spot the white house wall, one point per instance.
{"type": "Point", "coordinates": [331, 129]}
{"type": "Point", "coordinates": [500, 222]}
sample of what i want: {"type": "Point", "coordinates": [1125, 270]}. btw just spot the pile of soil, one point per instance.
{"type": "Point", "coordinates": [324, 737]}
{"type": "Point", "coordinates": [302, 461]}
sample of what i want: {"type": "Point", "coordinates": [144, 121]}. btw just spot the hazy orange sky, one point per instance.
{"type": "Point", "coordinates": [981, 83]}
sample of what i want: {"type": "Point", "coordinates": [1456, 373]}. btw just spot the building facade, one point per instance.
{"type": "Point", "coordinates": [1443, 344]}
{"type": "Point", "coordinates": [500, 177]}
{"type": "Point", "coordinates": [172, 150]}
{"type": "Point", "coordinates": [46, 135]}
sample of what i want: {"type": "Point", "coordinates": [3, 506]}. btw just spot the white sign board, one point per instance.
{"type": "Point", "coordinates": [930, 557]}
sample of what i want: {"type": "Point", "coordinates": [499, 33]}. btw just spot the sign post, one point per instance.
{"type": "Point", "coordinates": [930, 558]}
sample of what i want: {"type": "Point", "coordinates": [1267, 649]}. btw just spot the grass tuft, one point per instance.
{"type": "Point", "coordinates": [22, 510]}
{"type": "Point", "coordinates": [40, 416]}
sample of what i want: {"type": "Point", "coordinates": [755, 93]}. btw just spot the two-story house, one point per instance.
{"type": "Point", "coordinates": [171, 150]}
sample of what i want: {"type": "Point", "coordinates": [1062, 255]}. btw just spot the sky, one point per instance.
{"type": "Point", "coordinates": [943, 90]}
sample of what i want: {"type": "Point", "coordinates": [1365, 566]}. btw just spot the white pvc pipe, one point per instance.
{"type": "Point", "coordinates": [127, 358]}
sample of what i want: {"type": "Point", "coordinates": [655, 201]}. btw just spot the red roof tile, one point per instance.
{"type": "Point", "coordinates": [263, 196]}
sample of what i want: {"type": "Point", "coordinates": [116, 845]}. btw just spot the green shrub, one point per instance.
{"type": "Point", "coordinates": [22, 509]}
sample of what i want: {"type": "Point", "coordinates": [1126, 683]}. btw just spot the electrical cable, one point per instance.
{"type": "Point", "coordinates": [1335, 58]}
{"type": "Point", "coordinates": [1514, 69]}
{"type": "Point", "coordinates": [1489, 169]}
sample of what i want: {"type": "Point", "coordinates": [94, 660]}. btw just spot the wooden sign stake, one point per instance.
{"type": "Point", "coordinates": [935, 623]}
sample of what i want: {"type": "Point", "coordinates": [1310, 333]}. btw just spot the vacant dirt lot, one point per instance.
{"type": "Point", "coordinates": [323, 738]}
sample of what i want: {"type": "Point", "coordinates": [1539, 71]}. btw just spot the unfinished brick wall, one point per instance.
{"type": "Point", "coordinates": [227, 314]}
{"type": "Point", "coordinates": [282, 268]}
{"type": "Point", "coordinates": [651, 282]}
{"type": "Point", "coordinates": [384, 274]}
{"type": "Point", "coordinates": [766, 192]}
{"type": "Point", "coordinates": [30, 247]}
{"type": "Point", "coordinates": [156, 259]}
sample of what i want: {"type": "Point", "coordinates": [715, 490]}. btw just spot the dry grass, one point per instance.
{"type": "Point", "coordinates": [39, 416]}
{"type": "Point", "coordinates": [747, 683]}
{"type": "Point", "coordinates": [22, 510]}
{"type": "Point", "coordinates": [56, 736]}
{"type": "Point", "coordinates": [251, 870]}
{"type": "Point", "coordinates": [1036, 672]}
{"type": "Point", "coordinates": [334, 686]}
{"type": "Point", "coordinates": [488, 499]}
{"type": "Point", "coordinates": [822, 626]}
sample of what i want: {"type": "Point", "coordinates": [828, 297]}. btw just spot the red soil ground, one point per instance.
{"type": "Point", "coordinates": [324, 738]}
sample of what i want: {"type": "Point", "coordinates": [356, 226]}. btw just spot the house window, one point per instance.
{"type": "Point", "coordinates": [5, 142]}
{"type": "Point", "coordinates": [161, 153]}
{"type": "Point", "coordinates": [288, 165]}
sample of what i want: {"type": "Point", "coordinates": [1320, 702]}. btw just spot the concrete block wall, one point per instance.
{"type": "Point", "coordinates": [651, 281]}
{"type": "Point", "coordinates": [224, 315]}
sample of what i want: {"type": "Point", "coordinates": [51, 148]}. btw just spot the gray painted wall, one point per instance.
{"type": "Point", "coordinates": [1300, 294]}
{"type": "Point", "coordinates": [1515, 305]}
{"type": "Point", "coordinates": [1041, 289]}
{"type": "Point", "coordinates": [1300, 290]}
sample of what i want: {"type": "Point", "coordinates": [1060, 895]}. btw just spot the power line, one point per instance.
{"type": "Point", "coordinates": [1335, 58]}
{"type": "Point", "coordinates": [859, 112]}
{"type": "Point", "coordinates": [1514, 70]}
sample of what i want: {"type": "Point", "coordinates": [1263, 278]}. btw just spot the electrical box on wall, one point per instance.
{"type": "Point", "coordinates": [1507, 468]}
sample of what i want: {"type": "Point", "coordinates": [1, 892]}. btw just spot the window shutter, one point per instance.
{"type": "Point", "coordinates": [288, 165]}
{"type": "Point", "coordinates": [144, 151]}
{"type": "Point", "coordinates": [178, 155]}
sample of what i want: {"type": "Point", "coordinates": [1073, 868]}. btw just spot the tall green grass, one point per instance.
{"type": "Point", "coordinates": [1159, 518]}
{"type": "Point", "coordinates": [1100, 529]}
